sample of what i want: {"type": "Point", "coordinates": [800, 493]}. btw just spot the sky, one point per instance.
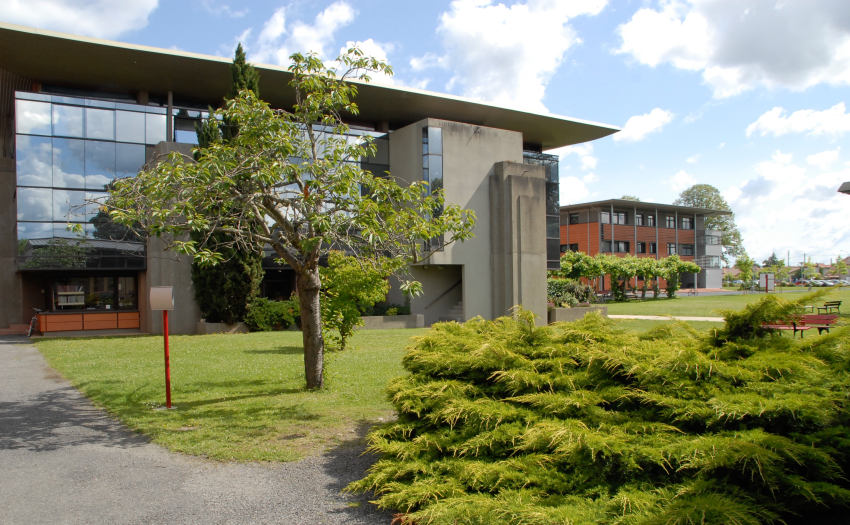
{"type": "Point", "coordinates": [749, 96]}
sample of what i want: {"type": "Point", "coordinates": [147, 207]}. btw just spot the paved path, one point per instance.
{"type": "Point", "coordinates": [62, 461]}
{"type": "Point", "coordinates": [667, 318]}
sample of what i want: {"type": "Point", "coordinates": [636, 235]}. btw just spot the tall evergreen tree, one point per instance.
{"type": "Point", "coordinates": [224, 291]}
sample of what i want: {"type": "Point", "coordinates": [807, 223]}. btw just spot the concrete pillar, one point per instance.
{"type": "Point", "coordinates": [518, 238]}
{"type": "Point", "coordinates": [11, 305]}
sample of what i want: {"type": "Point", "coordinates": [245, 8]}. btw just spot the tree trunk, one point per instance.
{"type": "Point", "coordinates": [309, 285]}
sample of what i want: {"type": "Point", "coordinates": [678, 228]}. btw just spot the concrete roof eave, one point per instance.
{"type": "Point", "coordinates": [51, 57]}
{"type": "Point", "coordinates": [845, 188]}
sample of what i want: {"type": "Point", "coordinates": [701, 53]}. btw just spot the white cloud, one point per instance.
{"type": "Point", "coordinates": [833, 122]}
{"type": "Point", "coordinates": [583, 151]}
{"type": "Point", "coordinates": [782, 158]}
{"type": "Point", "coordinates": [506, 54]}
{"type": "Point", "coordinates": [97, 18]}
{"type": "Point", "coordinates": [825, 159]}
{"type": "Point", "coordinates": [741, 44]}
{"type": "Point", "coordinates": [573, 190]}
{"type": "Point", "coordinates": [276, 41]}
{"type": "Point", "coordinates": [217, 9]}
{"type": "Point", "coordinates": [639, 126]}
{"type": "Point", "coordinates": [693, 159]}
{"type": "Point", "coordinates": [373, 49]}
{"type": "Point", "coordinates": [783, 207]}
{"type": "Point", "coordinates": [681, 181]}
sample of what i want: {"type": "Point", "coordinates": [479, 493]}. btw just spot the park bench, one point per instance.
{"type": "Point", "coordinates": [821, 322]}
{"type": "Point", "coordinates": [830, 306]}
{"type": "Point", "coordinates": [801, 323]}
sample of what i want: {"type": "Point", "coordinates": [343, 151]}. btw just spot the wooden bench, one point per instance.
{"type": "Point", "coordinates": [821, 322]}
{"type": "Point", "coordinates": [790, 325]}
{"type": "Point", "coordinates": [830, 306]}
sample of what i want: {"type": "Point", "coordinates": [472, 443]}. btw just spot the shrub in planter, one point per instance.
{"type": "Point", "coordinates": [562, 291]}
{"type": "Point", "coordinates": [503, 422]}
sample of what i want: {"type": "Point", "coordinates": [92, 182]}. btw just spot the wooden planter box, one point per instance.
{"type": "Point", "coordinates": [569, 315]}
{"type": "Point", "coordinates": [61, 322]}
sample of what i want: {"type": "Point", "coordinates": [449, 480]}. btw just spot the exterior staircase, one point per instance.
{"type": "Point", "coordinates": [15, 329]}
{"type": "Point", "coordinates": [455, 314]}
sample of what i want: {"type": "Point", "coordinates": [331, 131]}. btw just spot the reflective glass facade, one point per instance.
{"type": "Point", "coordinates": [553, 218]}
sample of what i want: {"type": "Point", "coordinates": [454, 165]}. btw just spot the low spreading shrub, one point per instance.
{"type": "Point", "coordinates": [504, 422]}
{"type": "Point", "coordinates": [264, 315]}
{"type": "Point", "coordinates": [384, 309]}
{"type": "Point", "coordinates": [568, 291]}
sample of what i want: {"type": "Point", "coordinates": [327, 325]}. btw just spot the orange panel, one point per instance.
{"type": "Point", "coordinates": [63, 319]}
{"type": "Point", "coordinates": [100, 317]}
{"type": "Point", "coordinates": [128, 320]}
{"type": "Point", "coordinates": [101, 325]}
{"type": "Point", "coordinates": [42, 323]}
{"type": "Point", "coordinates": [61, 327]}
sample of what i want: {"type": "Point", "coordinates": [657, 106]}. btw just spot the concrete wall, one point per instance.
{"type": "Point", "coordinates": [435, 281]}
{"type": "Point", "coordinates": [518, 239]}
{"type": "Point", "coordinates": [391, 322]}
{"type": "Point", "coordinates": [11, 306]}
{"type": "Point", "coordinates": [166, 268]}
{"type": "Point", "coordinates": [469, 155]}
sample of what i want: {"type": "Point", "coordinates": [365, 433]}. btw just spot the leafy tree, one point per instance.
{"type": "Point", "coordinates": [673, 267]}
{"type": "Point", "coordinates": [348, 287]}
{"type": "Point", "coordinates": [649, 269]}
{"type": "Point", "coordinates": [629, 198]}
{"type": "Point", "coordinates": [840, 266]}
{"type": "Point", "coordinates": [773, 260]}
{"type": "Point", "coordinates": [107, 229]}
{"type": "Point", "coordinates": [577, 265]}
{"type": "Point", "coordinates": [506, 423]}
{"type": "Point", "coordinates": [810, 270]}
{"type": "Point", "coordinates": [224, 291]}
{"type": "Point", "coordinates": [621, 269]}
{"type": "Point", "coordinates": [745, 266]}
{"type": "Point", "coordinates": [709, 197]}
{"type": "Point", "coordinates": [291, 180]}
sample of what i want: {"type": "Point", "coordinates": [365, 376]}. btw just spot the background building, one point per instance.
{"type": "Point", "coordinates": [77, 113]}
{"type": "Point", "coordinates": [645, 229]}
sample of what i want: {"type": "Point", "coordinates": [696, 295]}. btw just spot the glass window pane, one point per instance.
{"type": "Point", "coordinates": [32, 117]}
{"type": "Point", "coordinates": [94, 201]}
{"type": "Point", "coordinates": [127, 297]}
{"type": "Point", "coordinates": [32, 96]}
{"type": "Point", "coordinates": [129, 159]}
{"type": "Point", "coordinates": [60, 230]}
{"type": "Point", "coordinates": [154, 129]}
{"type": "Point", "coordinates": [185, 137]}
{"type": "Point", "coordinates": [69, 163]}
{"type": "Point", "coordinates": [435, 172]}
{"type": "Point", "coordinates": [435, 141]}
{"type": "Point", "coordinates": [553, 249]}
{"type": "Point", "coordinates": [100, 104]}
{"type": "Point", "coordinates": [34, 161]}
{"type": "Point", "coordinates": [100, 124]}
{"type": "Point", "coordinates": [67, 206]}
{"type": "Point", "coordinates": [67, 121]}
{"type": "Point", "coordinates": [100, 164]}
{"type": "Point", "coordinates": [130, 127]}
{"type": "Point", "coordinates": [552, 227]}
{"type": "Point", "coordinates": [552, 197]}
{"type": "Point", "coordinates": [34, 230]}
{"type": "Point", "coordinates": [35, 204]}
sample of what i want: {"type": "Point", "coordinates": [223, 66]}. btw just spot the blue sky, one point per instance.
{"type": "Point", "coordinates": [746, 95]}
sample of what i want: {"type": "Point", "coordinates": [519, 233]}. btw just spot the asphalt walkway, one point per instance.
{"type": "Point", "coordinates": [63, 461]}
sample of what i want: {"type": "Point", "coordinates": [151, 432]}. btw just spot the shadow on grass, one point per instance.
{"type": "Point", "coordinates": [283, 350]}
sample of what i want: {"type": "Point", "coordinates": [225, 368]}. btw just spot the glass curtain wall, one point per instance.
{"type": "Point", "coordinates": [553, 218]}
{"type": "Point", "coordinates": [432, 170]}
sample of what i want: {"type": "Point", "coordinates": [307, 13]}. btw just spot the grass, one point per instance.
{"type": "Point", "coordinates": [236, 397]}
{"type": "Point", "coordinates": [703, 305]}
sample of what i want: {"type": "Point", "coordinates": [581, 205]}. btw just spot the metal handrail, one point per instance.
{"type": "Point", "coordinates": [455, 285]}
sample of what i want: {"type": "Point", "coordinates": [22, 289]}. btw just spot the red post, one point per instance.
{"type": "Point", "coordinates": [167, 361]}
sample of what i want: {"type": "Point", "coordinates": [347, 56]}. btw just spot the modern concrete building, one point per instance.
{"type": "Point", "coordinates": [77, 112]}
{"type": "Point", "coordinates": [645, 229]}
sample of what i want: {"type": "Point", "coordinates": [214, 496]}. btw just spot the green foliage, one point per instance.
{"type": "Point", "coordinates": [747, 323]}
{"type": "Point", "coordinates": [810, 270]}
{"type": "Point", "coordinates": [264, 315]}
{"type": "Point", "coordinates": [504, 422]}
{"type": "Point", "coordinates": [349, 286]}
{"type": "Point", "coordinates": [568, 291]}
{"type": "Point", "coordinates": [709, 197]}
{"type": "Point", "coordinates": [57, 253]}
{"type": "Point", "coordinates": [224, 291]}
{"type": "Point", "coordinates": [673, 267]}
{"type": "Point", "coordinates": [629, 198]}
{"type": "Point", "coordinates": [840, 267]}
{"type": "Point", "coordinates": [745, 266]}
{"type": "Point", "coordinates": [383, 309]}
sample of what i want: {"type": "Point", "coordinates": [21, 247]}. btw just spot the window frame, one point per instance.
{"type": "Point", "coordinates": [671, 248]}
{"type": "Point", "coordinates": [668, 220]}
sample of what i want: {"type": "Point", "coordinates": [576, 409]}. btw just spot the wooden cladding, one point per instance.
{"type": "Point", "coordinates": [87, 321]}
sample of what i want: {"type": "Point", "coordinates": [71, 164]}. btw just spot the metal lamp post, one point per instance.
{"type": "Point", "coordinates": [162, 298]}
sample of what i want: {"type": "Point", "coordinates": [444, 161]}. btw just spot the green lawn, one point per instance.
{"type": "Point", "coordinates": [236, 397]}
{"type": "Point", "coordinates": [705, 306]}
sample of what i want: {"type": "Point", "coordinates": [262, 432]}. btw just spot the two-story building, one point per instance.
{"type": "Point", "coordinates": [645, 229]}
{"type": "Point", "coordinates": [77, 113]}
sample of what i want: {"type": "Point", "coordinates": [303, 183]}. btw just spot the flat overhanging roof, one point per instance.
{"type": "Point", "coordinates": [845, 188]}
{"type": "Point", "coordinates": [621, 203]}
{"type": "Point", "coordinates": [50, 57]}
